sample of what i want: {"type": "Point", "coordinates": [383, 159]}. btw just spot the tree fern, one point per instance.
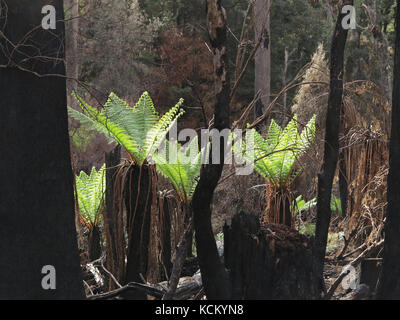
{"type": "Point", "coordinates": [181, 166]}
{"type": "Point", "coordinates": [139, 129]}
{"type": "Point", "coordinates": [275, 156]}
{"type": "Point", "coordinates": [90, 191]}
{"type": "Point", "coordinates": [301, 205]}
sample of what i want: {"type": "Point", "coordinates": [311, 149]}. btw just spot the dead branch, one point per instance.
{"type": "Point", "coordinates": [132, 286]}
{"type": "Point", "coordinates": [353, 263]}
{"type": "Point", "coordinates": [179, 261]}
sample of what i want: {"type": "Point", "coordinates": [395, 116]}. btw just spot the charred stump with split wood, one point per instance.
{"type": "Point", "coordinates": [268, 261]}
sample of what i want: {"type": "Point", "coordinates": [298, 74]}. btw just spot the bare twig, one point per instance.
{"type": "Point", "coordinates": [353, 263]}
{"type": "Point", "coordinates": [179, 261]}
{"type": "Point", "coordinates": [132, 286]}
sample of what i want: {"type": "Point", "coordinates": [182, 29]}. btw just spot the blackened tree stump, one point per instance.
{"type": "Point", "coordinates": [268, 261]}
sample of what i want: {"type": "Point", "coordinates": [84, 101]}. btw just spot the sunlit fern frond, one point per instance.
{"type": "Point", "coordinates": [275, 156]}
{"type": "Point", "coordinates": [181, 166]}
{"type": "Point", "coordinates": [90, 191]}
{"type": "Point", "coordinates": [139, 129]}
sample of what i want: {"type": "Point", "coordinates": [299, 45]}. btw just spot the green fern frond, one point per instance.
{"type": "Point", "coordinates": [275, 156]}
{"type": "Point", "coordinates": [139, 129]}
{"type": "Point", "coordinates": [157, 133]}
{"type": "Point", "coordinates": [181, 166]}
{"type": "Point", "coordinates": [90, 194]}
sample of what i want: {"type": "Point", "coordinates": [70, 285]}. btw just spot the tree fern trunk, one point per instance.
{"type": "Point", "coordinates": [138, 202]}
{"type": "Point", "coordinates": [278, 206]}
{"type": "Point", "coordinates": [113, 221]}
{"type": "Point", "coordinates": [94, 245]}
{"type": "Point", "coordinates": [165, 212]}
{"type": "Point", "coordinates": [188, 217]}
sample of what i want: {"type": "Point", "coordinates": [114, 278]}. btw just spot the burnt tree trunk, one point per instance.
{"type": "Point", "coordinates": [389, 287]}
{"type": "Point", "coordinates": [215, 278]}
{"type": "Point", "coordinates": [331, 147]}
{"type": "Point", "coordinates": [94, 246]}
{"type": "Point", "coordinates": [37, 226]}
{"type": "Point", "coordinates": [113, 221]}
{"type": "Point", "coordinates": [269, 261]}
{"type": "Point", "coordinates": [138, 203]}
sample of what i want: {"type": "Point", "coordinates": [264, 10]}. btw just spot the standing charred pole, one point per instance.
{"type": "Point", "coordinates": [215, 278]}
{"type": "Point", "coordinates": [389, 287]}
{"type": "Point", "coordinates": [331, 147]}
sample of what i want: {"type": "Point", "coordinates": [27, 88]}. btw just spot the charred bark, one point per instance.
{"type": "Point", "coordinates": [389, 287]}
{"type": "Point", "coordinates": [331, 146]}
{"type": "Point", "coordinates": [94, 246]}
{"type": "Point", "coordinates": [113, 221]}
{"type": "Point", "coordinates": [188, 218]}
{"type": "Point", "coordinates": [165, 245]}
{"type": "Point", "coordinates": [37, 226]}
{"type": "Point", "coordinates": [138, 203]}
{"type": "Point", "coordinates": [215, 279]}
{"type": "Point", "coordinates": [268, 261]}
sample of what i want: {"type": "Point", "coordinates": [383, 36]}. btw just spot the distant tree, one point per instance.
{"type": "Point", "coordinates": [71, 48]}
{"type": "Point", "coordinates": [263, 54]}
{"type": "Point", "coordinates": [36, 182]}
{"type": "Point", "coordinates": [294, 39]}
